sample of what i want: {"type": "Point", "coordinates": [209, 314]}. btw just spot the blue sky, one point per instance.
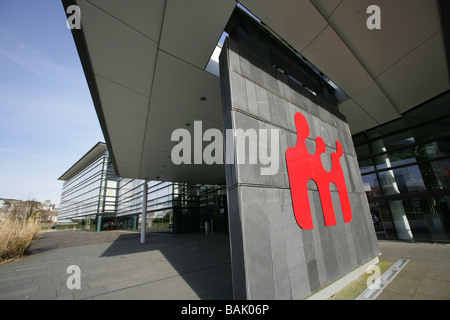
{"type": "Point", "coordinates": [47, 118]}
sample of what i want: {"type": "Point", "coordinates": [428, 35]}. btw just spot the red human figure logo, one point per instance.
{"type": "Point", "coordinates": [304, 166]}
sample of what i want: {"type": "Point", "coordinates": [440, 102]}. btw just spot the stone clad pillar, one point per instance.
{"type": "Point", "coordinates": [272, 256]}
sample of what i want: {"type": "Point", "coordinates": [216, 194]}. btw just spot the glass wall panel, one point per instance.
{"type": "Point", "coordinates": [391, 161]}
{"type": "Point", "coordinates": [160, 221]}
{"type": "Point", "coordinates": [80, 194]}
{"type": "Point", "coordinates": [371, 185]}
{"type": "Point", "coordinates": [129, 196]}
{"type": "Point", "coordinates": [382, 220]}
{"type": "Point", "coordinates": [402, 180]}
{"type": "Point", "coordinates": [436, 174]}
{"type": "Point", "coordinates": [366, 165]}
{"type": "Point", "coordinates": [111, 222]}
{"type": "Point", "coordinates": [428, 217]}
{"type": "Point", "coordinates": [403, 140]}
{"type": "Point", "coordinates": [405, 168]}
{"type": "Point", "coordinates": [362, 150]}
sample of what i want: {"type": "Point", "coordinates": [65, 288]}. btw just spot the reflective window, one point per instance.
{"type": "Point", "coordinates": [405, 168]}
{"type": "Point", "coordinates": [366, 165]}
{"type": "Point", "coordinates": [401, 180]}
{"type": "Point", "coordinates": [371, 185]}
{"type": "Point", "coordinates": [382, 220]}
{"type": "Point", "coordinates": [428, 217]}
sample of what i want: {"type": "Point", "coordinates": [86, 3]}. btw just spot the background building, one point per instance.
{"type": "Point", "coordinates": [95, 196]}
{"type": "Point", "coordinates": [48, 212]}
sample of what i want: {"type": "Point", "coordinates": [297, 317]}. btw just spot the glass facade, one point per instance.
{"type": "Point", "coordinates": [129, 196]}
{"type": "Point", "coordinates": [183, 208]}
{"type": "Point", "coordinates": [200, 208]}
{"type": "Point", "coordinates": [90, 198]}
{"type": "Point", "coordinates": [100, 200]}
{"type": "Point", "coordinates": [405, 168]}
{"type": "Point", "coordinates": [81, 194]}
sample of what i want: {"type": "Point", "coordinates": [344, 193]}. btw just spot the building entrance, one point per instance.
{"type": "Point", "coordinates": [109, 223]}
{"type": "Point", "coordinates": [160, 221]}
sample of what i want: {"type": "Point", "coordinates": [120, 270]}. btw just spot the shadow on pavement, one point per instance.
{"type": "Point", "coordinates": [62, 239]}
{"type": "Point", "coordinates": [202, 261]}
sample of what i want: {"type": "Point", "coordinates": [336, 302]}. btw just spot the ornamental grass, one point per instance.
{"type": "Point", "coordinates": [17, 232]}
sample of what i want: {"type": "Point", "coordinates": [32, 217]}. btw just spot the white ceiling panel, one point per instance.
{"type": "Point", "coordinates": [158, 166]}
{"type": "Point", "coordinates": [116, 98]}
{"type": "Point", "coordinates": [419, 76]}
{"type": "Point", "coordinates": [117, 51]}
{"type": "Point", "coordinates": [376, 104]}
{"type": "Point", "coordinates": [174, 119]}
{"type": "Point", "coordinates": [326, 7]}
{"type": "Point", "coordinates": [128, 170]}
{"type": "Point", "coordinates": [144, 16]}
{"type": "Point", "coordinates": [127, 153]}
{"type": "Point", "coordinates": [298, 22]}
{"type": "Point", "coordinates": [161, 124]}
{"type": "Point", "coordinates": [130, 129]}
{"type": "Point", "coordinates": [329, 53]}
{"type": "Point", "coordinates": [191, 29]}
{"type": "Point", "coordinates": [124, 109]}
{"type": "Point", "coordinates": [126, 133]}
{"type": "Point", "coordinates": [358, 119]}
{"type": "Point", "coordinates": [180, 86]}
{"type": "Point", "coordinates": [159, 137]}
{"type": "Point", "coordinates": [405, 24]}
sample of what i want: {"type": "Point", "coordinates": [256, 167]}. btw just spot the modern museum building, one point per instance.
{"type": "Point", "coordinates": [306, 130]}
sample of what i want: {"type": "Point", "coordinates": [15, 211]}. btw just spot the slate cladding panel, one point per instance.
{"type": "Point", "coordinates": [272, 257]}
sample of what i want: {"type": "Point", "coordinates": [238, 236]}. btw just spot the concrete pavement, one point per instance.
{"type": "Point", "coordinates": [425, 277]}
{"type": "Point", "coordinates": [114, 265]}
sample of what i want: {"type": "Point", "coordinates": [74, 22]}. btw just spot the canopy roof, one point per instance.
{"type": "Point", "coordinates": [145, 65]}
